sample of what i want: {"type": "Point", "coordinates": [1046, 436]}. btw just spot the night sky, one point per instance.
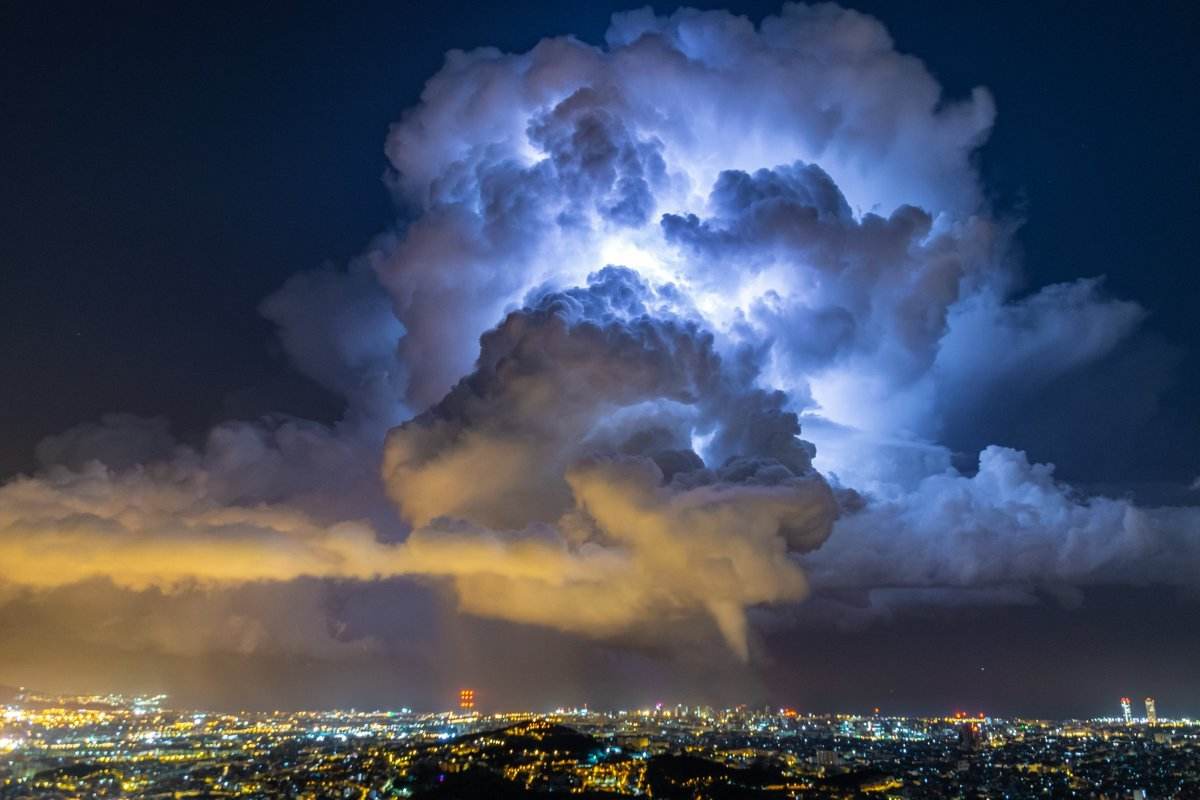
{"type": "Point", "coordinates": [168, 169]}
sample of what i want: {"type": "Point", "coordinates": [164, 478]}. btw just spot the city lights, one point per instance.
{"type": "Point", "coordinates": [93, 747]}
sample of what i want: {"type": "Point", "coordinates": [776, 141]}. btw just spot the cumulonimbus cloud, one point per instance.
{"type": "Point", "coordinates": [587, 507]}
{"type": "Point", "coordinates": [628, 274]}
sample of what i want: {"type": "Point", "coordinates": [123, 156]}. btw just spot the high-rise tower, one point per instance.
{"type": "Point", "coordinates": [1151, 712]}
{"type": "Point", "coordinates": [1127, 709]}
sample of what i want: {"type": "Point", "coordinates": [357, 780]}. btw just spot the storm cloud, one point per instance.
{"type": "Point", "coordinates": [576, 372]}
{"type": "Point", "coordinates": [597, 514]}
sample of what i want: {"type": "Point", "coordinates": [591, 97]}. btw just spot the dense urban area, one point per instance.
{"type": "Point", "coordinates": [116, 746]}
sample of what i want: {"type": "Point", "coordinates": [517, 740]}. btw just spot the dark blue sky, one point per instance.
{"type": "Point", "coordinates": [168, 168]}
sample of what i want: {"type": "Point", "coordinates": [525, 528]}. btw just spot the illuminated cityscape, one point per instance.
{"type": "Point", "coordinates": [138, 747]}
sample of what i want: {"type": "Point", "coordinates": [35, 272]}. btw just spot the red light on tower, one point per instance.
{"type": "Point", "coordinates": [466, 699]}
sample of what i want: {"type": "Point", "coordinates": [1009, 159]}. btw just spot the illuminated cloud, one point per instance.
{"type": "Point", "coordinates": [199, 517]}
{"type": "Point", "coordinates": [807, 192]}
{"type": "Point", "coordinates": [543, 166]}
{"type": "Point", "coordinates": [588, 510]}
{"type": "Point", "coordinates": [625, 276]}
{"type": "Point", "coordinates": [800, 182]}
{"type": "Point", "coordinates": [567, 454]}
{"type": "Point", "coordinates": [1010, 526]}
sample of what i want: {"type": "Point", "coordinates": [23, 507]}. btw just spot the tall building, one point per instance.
{"type": "Point", "coordinates": [970, 737]}
{"type": "Point", "coordinates": [1127, 709]}
{"type": "Point", "coordinates": [466, 699]}
{"type": "Point", "coordinates": [1151, 712]}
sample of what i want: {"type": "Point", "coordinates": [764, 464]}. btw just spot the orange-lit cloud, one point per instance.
{"type": "Point", "coordinates": [141, 530]}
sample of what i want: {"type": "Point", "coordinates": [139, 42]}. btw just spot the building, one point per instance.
{"type": "Point", "coordinates": [970, 737]}
{"type": "Point", "coordinates": [1151, 712]}
{"type": "Point", "coordinates": [1127, 710]}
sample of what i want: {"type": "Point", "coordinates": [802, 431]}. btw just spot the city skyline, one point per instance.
{"type": "Point", "coordinates": [94, 747]}
{"type": "Point", "coordinates": [466, 703]}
